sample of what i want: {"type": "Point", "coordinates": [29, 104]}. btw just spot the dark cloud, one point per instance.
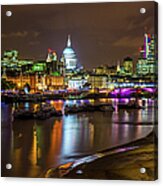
{"type": "Point", "coordinates": [20, 34]}
{"type": "Point", "coordinates": [128, 42]}
{"type": "Point", "coordinates": [15, 34]}
{"type": "Point", "coordinates": [101, 33]}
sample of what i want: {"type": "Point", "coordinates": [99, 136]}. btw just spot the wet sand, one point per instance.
{"type": "Point", "coordinates": [122, 163]}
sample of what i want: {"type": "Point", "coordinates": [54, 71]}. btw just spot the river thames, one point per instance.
{"type": "Point", "coordinates": [33, 146]}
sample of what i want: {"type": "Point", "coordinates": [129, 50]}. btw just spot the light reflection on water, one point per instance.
{"type": "Point", "coordinates": [33, 146]}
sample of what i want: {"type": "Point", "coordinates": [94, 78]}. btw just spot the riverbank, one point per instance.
{"type": "Point", "coordinates": [122, 163]}
{"type": "Point", "coordinates": [40, 97]}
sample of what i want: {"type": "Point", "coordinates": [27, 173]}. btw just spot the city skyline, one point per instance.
{"type": "Point", "coordinates": [95, 41]}
{"type": "Point", "coordinates": [79, 91]}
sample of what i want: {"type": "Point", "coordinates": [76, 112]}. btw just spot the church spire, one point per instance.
{"type": "Point", "coordinates": [4, 76]}
{"type": "Point", "coordinates": [69, 41]}
{"type": "Point", "coordinates": [118, 66]}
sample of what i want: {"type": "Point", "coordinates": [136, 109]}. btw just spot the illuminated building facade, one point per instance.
{"type": "Point", "coordinates": [128, 66]}
{"type": "Point", "coordinates": [53, 64]}
{"type": "Point", "coordinates": [126, 69]}
{"type": "Point", "coordinates": [21, 81]}
{"type": "Point", "coordinates": [40, 75]}
{"type": "Point", "coordinates": [54, 82]}
{"type": "Point", "coordinates": [38, 82]}
{"type": "Point", "coordinates": [39, 67]}
{"type": "Point", "coordinates": [10, 56]}
{"type": "Point", "coordinates": [11, 59]}
{"type": "Point", "coordinates": [77, 82]}
{"type": "Point", "coordinates": [105, 69]}
{"type": "Point", "coordinates": [98, 81]}
{"type": "Point", "coordinates": [13, 66]}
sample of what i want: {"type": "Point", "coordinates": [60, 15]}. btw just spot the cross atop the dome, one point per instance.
{"type": "Point", "coordinates": [69, 41]}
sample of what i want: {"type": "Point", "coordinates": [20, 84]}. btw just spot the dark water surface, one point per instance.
{"type": "Point", "coordinates": [32, 146]}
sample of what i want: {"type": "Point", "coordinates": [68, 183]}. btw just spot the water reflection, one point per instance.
{"type": "Point", "coordinates": [33, 146]}
{"type": "Point", "coordinates": [78, 133]}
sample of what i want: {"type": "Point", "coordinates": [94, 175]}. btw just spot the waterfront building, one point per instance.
{"type": "Point", "coordinates": [77, 81]}
{"type": "Point", "coordinates": [34, 73]}
{"type": "Point", "coordinates": [98, 80]}
{"type": "Point", "coordinates": [21, 81]}
{"type": "Point", "coordinates": [38, 82]}
{"type": "Point", "coordinates": [54, 82]}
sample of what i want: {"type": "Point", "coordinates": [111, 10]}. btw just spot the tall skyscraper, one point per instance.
{"type": "Point", "coordinates": [147, 62]}
{"type": "Point", "coordinates": [147, 39]}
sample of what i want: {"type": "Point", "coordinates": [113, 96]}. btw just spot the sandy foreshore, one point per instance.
{"type": "Point", "coordinates": [121, 163]}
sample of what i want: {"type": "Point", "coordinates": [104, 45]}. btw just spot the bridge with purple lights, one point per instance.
{"type": "Point", "coordinates": [129, 91]}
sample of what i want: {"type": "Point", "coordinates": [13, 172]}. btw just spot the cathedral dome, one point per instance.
{"type": "Point", "coordinates": [70, 56]}
{"type": "Point", "coordinates": [68, 51]}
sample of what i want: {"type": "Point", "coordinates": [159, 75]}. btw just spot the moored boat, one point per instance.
{"type": "Point", "coordinates": [106, 108]}
{"type": "Point", "coordinates": [43, 111]}
{"type": "Point", "coordinates": [23, 114]}
{"type": "Point", "coordinates": [88, 108]}
{"type": "Point", "coordinates": [131, 105]}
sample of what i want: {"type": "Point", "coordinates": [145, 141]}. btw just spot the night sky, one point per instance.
{"type": "Point", "coordinates": [101, 33]}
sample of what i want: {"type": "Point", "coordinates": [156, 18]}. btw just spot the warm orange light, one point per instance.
{"type": "Point", "coordinates": [66, 166]}
{"type": "Point", "coordinates": [19, 85]}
